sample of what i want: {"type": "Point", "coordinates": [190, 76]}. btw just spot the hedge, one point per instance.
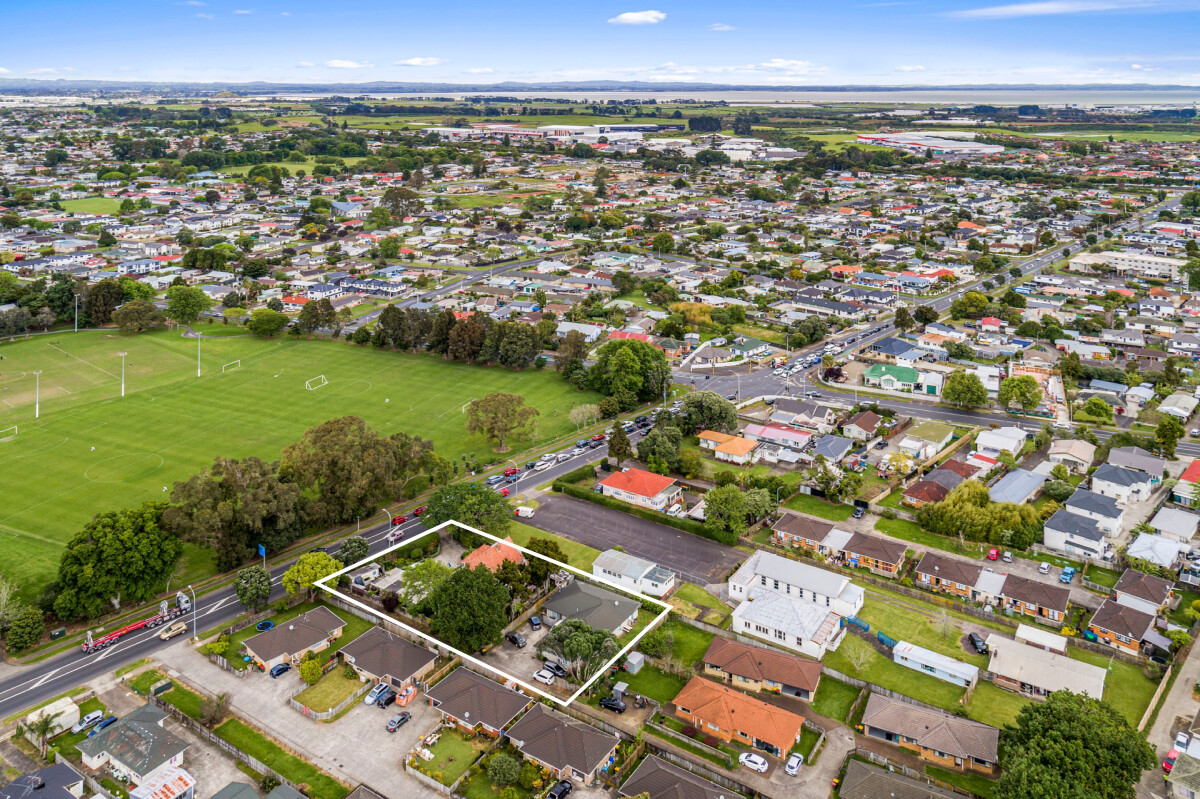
{"type": "Point", "coordinates": [584, 472]}
{"type": "Point", "coordinates": [687, 525]}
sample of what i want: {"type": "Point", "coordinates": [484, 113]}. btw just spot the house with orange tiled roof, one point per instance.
{"type": "Point", "coordinates": [736, 450]}
{"type": "Point", "coordinates": [494, 555]}
{"type": "Point", "coordinates": [711, 439]}
{"type": "Point", "coordinates": [730, 715]}
{"type": "Point", "coordinates": [640, 487]}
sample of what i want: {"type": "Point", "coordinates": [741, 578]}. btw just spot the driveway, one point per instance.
{"type": "Point", "coordinates": [519, 663]}
{"type": "Point", "coordinates": [356, 748]}
{"type": "Point", "coordinates": [697, 560]}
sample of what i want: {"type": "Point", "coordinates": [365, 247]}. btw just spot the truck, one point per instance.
{"type": "Point", "coordinates": [1068, 574]}
{"type": "Point", "coordinates": [166, 613]}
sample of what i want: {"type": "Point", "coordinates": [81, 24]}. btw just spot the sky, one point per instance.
{"type": "Point", "coordinates": [759, 42]}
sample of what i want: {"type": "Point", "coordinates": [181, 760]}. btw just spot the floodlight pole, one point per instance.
{"type": "Point", "coordinates": [76, 313]}
{"type": "Point", "coordinates": [37, 393]}
{"type": "Point", "coordinates": [122, 354]}
{"type": "Point", "coordinates": [198, 337]}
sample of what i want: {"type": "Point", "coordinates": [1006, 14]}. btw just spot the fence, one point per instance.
{"type": "Point", "coordinates": [692, 742]}
{"type": "Point", "coordinates": [877, 689]}
{"type": "Point", "coordinates": [88, 780]}
{"type": "Point", "coordinates": [812, 753]}
{"type": "Point", "coordinates": [322, 715]}
{"type": "Point", "coordinates": [222, 663]}
{"type": "Point", "coordinates": [911, 773]}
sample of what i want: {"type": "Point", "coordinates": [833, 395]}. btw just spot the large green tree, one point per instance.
{"type": "Point", "coordinates": [1071, 747]}
{"type": "Point", "coordinates": [1023, 390]}
{"type": "Point", "coordinates": [119, 556]}
{"type": "Point", "coordinates": [470, 503]}
{"type": "Point", "coordinates": [580, 648]}
{"type": "Point", "coordinates": [266, 322]}
{"type": "Point", "coordinates": [708, 410]}
{"type": "Point", "coordinates": [102, 299]}
{"type": "Point", "coordinates": [253, 588]}
{"type": "Point", "coordinates": [311, 567]}
{"type": "Point", "coordinates": [468, 610]}
{"type": "Point", "coordinates": [619, 448]}
{"type": "Point", "coordinates": [725, 512]}
{"type": "Point", "coordinates": [643, 372]}
{"type": "Point", "coordinates": [138, 314]}
{"type": "Point", "coordinates": [1168, 433]}
{"type": "Point", "coordinates": [965, 389]}
{"type": "Point", "coordinates": [499, 415]}
{"type": "Point", "coordinates": [186, 303]}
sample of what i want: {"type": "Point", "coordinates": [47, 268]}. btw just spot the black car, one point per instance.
{"type": "Point", "coordinates": [978, 643]}
{"type": "Point", "coordinates": [595, 444]}
{"type": "Point", "coordinates": [397, 721]}
{"type": "Point", "coordinates": [560, 790]}
{"type": "Point", "coordinates": [556, 669]}
{"type": "Point", "coordinates": [386, 699]}
{"type": "Point", "coordinates": [613, 704]}
{"type": "Point", "coordinates": [642, 419]}
{"type": "Point", "coordinates": [859, 512]}
{"type": "Point", "coordinates": [516, 639]}
{"type": "Point", "coordinates": [319, 549]}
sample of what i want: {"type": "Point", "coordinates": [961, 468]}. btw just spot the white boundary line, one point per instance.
{"type": "Point", "coordinates": [471, 659]}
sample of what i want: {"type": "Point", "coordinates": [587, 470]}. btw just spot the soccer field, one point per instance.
{"type": "Point", "coordinates": [171, 423]}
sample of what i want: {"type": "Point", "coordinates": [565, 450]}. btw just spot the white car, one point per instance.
{"type": "Point", "coordinates": [543, 465]}
{"type": "Point", "coordinates": [375, 693]}
{"type": "Point", "coordinates": [794, 763]}
{"type": "Point", "coordinates": [754, 762]}
{"type": "Point", "coordinates": [577, 452]}
{"type": "Point", "coordinates": [544, 676]}
{"type": "Point", "coordinates": [88, 721]}
{"type": "Point", "coordinates": [1182, 740]}
{"type": "Point", "coordinates": [1044, 568]}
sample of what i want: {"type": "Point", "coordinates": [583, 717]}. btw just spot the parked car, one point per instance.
{"type": "Point", "coordinates": [555, 668]}
{"type": "Point", "coordinates": [1169, 762]}
{"type": "Point", "coordinates": [578, 451]}
{"type": "Point", "coordinates": [106, 722]}
{"type": "Point", "coordinates": [598, 437]}
{"type": "Point", "coordinates": [1067, 575]}
{"type": "Point", "coordinates": [397, 721]}
{"type": "Point", "coordinates": [793, 764]}
{"type": "Point", "coordinates": [1044, 568]}
{"type": "Point", "coordinates": [560, 790]}
{"type": "Point", "coordinates": [178, 628]}
{"type": "Point", "coordinates": [535, 622]}
{"type": "Point", "coordinates": [978, 643]}
{"type": "Point", "coordinates": [88, 721]}
{"type": "Point", "coordinates": [516, 639]}
{"type": "Point", "coordinates": [387, 698]}
{"type": "Point", "coordinates": [373, 695]}
{"type": "Point", "coordinates": [859, 512]}
{"type": "Point", "coordinates": [544, 676]}
{"type": "Point", "coordinates": [282, 668]}
{"type": "Point", "coordinates": [543, 466]}
{"type": "Point", "coordinates": [612, 703]}
{"type": "Point", "coordinates": [1007, 558]}
{"type": "Point", "coordinates": [753, 761]}
{"type": "Point", "coordinates": [880, 445]}
{"type": "Point", "coordinates": [513, 478]}
{"type": "Point", "coordinates": [993, 554]}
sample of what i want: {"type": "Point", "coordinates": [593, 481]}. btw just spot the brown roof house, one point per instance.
{"type": "Point", "coordinates": [863, 781]}
{"type": "Point", "coordinates": [756, 668]}
{"type": "Point", "coordinates": [568, 748]}
{"type": "Point", "coordinates": [473, 702]}
{"type": "Point", "coordinates": [663, 780]}
{"type": "Point", "coordinates": [731, 715]}
{"type": "Point", "coordinates": [380, 655]}
{"type": "Point", "coordinates": [290, 640]}
{"type": "Point", "coordinates": [862, 427]}
{"type": "Point", "coordinates": [940, 738]}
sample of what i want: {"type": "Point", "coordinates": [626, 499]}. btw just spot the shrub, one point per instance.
{"type": "Point", "coordinates": [530, 774]}
{"type": "Point", "coordinates": [310, 671]}
{"type": "Point", "coordinates": [689, 731]}
{"type": "Point", "coordinates": [391, 601]}
{"type": "Point", "coordinates": [268, 783]}
{"type": "Point", "coordinates": [503, 769]}
{"type": "Point", "coordinates": [887, 513]}
{"type": "Point", "coordinates": [349, 673]}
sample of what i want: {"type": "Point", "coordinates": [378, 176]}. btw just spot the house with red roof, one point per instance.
{"type": "Point", "coordinates": [1187, 491]}
{"type": "Point", "coordinates": [625, 335]}
{"type": "Point", "coordinates": [493, 555]}
{"type": "Point", "coordinates": [991, 324]}
{"type": "Point", "coordinates": [293, 302]}
{"type": "Point", "coordinates": [640, 487]}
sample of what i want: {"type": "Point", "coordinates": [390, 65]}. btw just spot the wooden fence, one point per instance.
{"type": "Point", "coordinates": [911, 773]}
{"type": "Point", "coordinates": [323, 715]}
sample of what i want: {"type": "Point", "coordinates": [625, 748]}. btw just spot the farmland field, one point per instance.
{"type": "Point", "coordinates": [171, 422]}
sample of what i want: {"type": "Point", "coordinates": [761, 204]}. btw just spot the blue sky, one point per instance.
{"type": "Point", "coordinates": [767, 42]}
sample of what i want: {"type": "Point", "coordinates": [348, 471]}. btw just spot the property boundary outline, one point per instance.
{"type": "Point", "coordinates": [657, 620]}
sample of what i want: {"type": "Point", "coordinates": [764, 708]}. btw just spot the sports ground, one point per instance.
{"type": "Point", "coordinates": [172, 423]}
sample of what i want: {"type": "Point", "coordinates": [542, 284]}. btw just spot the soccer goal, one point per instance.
{"type": "Point", "coordinates": [315, 382]}
{"type": "Point", "coordinates": [229, 367]}
{"type": "Point", "coordinates": [7, 433]}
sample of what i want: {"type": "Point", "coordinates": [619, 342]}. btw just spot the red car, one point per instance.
{"type": "Point", "coordinates": [502, 492]}
{"type": "Point", "coordinates": [598, 437]}
{"type": "Point", "coordinates": [398, 520]}
{"type": "Point", "coordinates": [511, 470]}
{"type": "Point", "coordinates": [419, 511]}
{"type": "Point", "coordinates": [993, 553]}
{"type": "Point", "coordinates": [1169, 763]}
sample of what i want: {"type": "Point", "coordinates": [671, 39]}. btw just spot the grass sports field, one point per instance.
{"type": "Point", "coordinates": [171, 423]}
{"type": "Point", "coordinates": [92, 205]}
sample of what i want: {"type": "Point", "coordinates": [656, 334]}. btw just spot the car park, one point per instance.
{"type": "Point", "coordinates": [88, 721]}
{"type": "Point", "coordinates": [387, 698]}
{"type": "Point", "coordinates": [793, 764]}
{"type": "Point", "coordinates": [516, 639]}
{"type": "Point", "coordinates": [279, 669]}
{"type": "Point", "coordinates": [977, 642]}
{"type": "Point", "coordinates": [556, 669]}
{"type": "Point", "coordinates": [560, 790]}
{"type": "Point", "coordinates": [397, 721]}
{"type": "Point", "coordinates": [102, 724]}
{"type": "Point", "coordinates": [612, 703]}
{"type": "Point", "coordinates": [753, 761]}
{"type": "Point", "coordinates": [544, 676]}
{"type": "Point", "coordinates": [373, 695]}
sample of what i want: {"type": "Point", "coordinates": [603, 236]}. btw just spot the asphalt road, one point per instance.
{"type": "Point", "coordinates": [696, 559]}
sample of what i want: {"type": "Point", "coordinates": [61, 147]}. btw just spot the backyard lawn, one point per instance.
{"type": "Point", "coordinates": [834, 698]}
{"type": "Point", "coordinates": [689, 643]}
{"type": "Point", "coordinates": [319, 785]}
{"type": "Point", "coordinates": [1179, 615]}
{"type": "Point", "coordinates": [67, 743]}
{"type": "Point", "coordinates": [993, 705]}
{"type": "Point", "coordinates": [1125, 687]}
{"type": "Point", "coordinates": [883, 672]}
{"type": "Point", "coordinates": [453, 754]}
{"type": "Point", "coordinates": [655, 683]}
{"type": "Point", "coordinates": [815, 506]}
{"type": "Point", "coordinates": [977, 784]}
{"type": "Point", "coordinates": [911, 531]}
{"type": "Point", "coordinates": [329, 691]}
{"type": "Point", "coordinates": [694, 602]}
{"type": "Point", "coordinates": [903, 624]}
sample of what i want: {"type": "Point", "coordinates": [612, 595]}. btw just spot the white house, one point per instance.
{"type": "Point", "coordinates": [640, 487]}
{"type": "Point", "coordinates": [1004, 439]}
{"type": "Point", "coordinates": [1104, 510]}
{"type": "Point", "coordinates": [1073, 534]}
{"type": "Point", "coordinates": [799, 580]}
{"type": "Point", "coordinates": [803, 626]}
{"type": "Point", "coordinates": [1074, 453]}
{"type": "Point", "coordinates": [1175, 523]}
{"type": "Point", "coordinates": [1123, 485]}
{"type": "Point", "coordinates": [633, 572]}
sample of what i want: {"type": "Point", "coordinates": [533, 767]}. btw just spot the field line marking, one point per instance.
{"type": "Point", "coordinates": [81, 360]}
{"type": "Point", "coordinates": [19, 533]}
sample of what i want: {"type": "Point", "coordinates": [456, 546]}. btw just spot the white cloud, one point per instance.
{"type": "Point", "coordinates": [1142, 67]}
{"type": "Point", "coordinates": [420, 62]}
{"type": "Point", "coordinates": [285, 13]}
{"type": "Point", "coordinates": [911, 68]}
{"type": "Point", "coordinates": [480, 71]}
{"type": "Point", "coordinates": [49, 70]}
{"type": "Point", "coordinates": [1045, 8]}
{"type": "Point", "coordinates": [242, 11]}
{"type": "Point", "coordinates": [339, 63]}
{"type": "Point", "coordinates": [204, 16]}
{"type": "Point", "coordinates": [4, 71]}
{"type": "Point", "coordinates": [789, 66]}
{"type": "Point", "coordinates": [638, 18]}
{"type": "Point", "coordinates": [721, 26]}
{"type": "Point", "coordinates": [306, 64]}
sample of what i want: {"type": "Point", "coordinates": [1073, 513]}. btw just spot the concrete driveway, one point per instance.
{"type": "Point", "coordinates": [697, 560]}
{"type": "Point", "coordinates": [520, 663]}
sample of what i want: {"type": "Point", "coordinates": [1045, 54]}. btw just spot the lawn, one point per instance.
{"type": "Point", "coordinates": [994, 705]}
{"type": "Point", "coordinates": [1105, 577]}
{"type": "Point", "coordinates": [977, 784]}
{"type": "Point", "coordinates": [578, 555]}
{"type": "Point", "coordinates": [808, 739]}
{"type": "Point", "coordinates": [480, 787]}
{"type": "Point", "coordinates": [1125, 687]}
{"type": "Point", "coordinates": [815, 506]}
{"type": "Point", "coordinates": [315, 782]}
{"type": "Point", "coordinates": [883, 672]}
{"type": "Point", "coordinates": [329, 691]}
{"type": "Point", "coordinates": [834, 698]}
{"type": "Point", "coordinates": [689, 643]}
{"type": "Point", "coordinates": [186, 700]}
{"type": "Point", "coordinates": [355, 626]}
{"type": "Point", "coordinates": [911, 531]}
{"type": "Point", "coordinates": [171, 424]}
{"type": "Point", "coordinates": [694, 602]}
{"type": "Point", "coordinates": [92, 205]}
{"type": "Point", "coordinates": [903, 624]}
{"type": "Point", "coordinates": [655, 683]}
{"type": "Point", "coordinates": [68, 742]}
{"type": "Point", "coordinates": [1186, 598]}
{"type": "Point", "coordinates": [453, 754]}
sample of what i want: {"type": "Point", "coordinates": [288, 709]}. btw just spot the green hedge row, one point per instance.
{"type": "Point", "coordinates": [687, 525]}
{"type": "Point", "coordinates": [584, 472]}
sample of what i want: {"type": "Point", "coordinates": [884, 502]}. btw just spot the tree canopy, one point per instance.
{"type": "Point", "coordinates": [469, 609]}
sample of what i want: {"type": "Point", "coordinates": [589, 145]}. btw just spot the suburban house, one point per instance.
{"type": "Point", "coordinates": [1139, 459]}
{"type": "Point", "coordinates": [568, 749]}
{"type": "Point", "coordinates": [1144, 592]}
{"type": "Point", "coordinates": [290, 641]}
{"type": "Point", "coordinates": [757, 668]}
{"type": "Point", "coordinates": [1175, 523]}
{"type": "Point", "coordinates": [380, 656]}
{"type": "Point", "coordinates": [136, 747]}
{"type": "Point", "coordinates": [1186, 491]}
{"type": "Point", "coordinates": [1045, 601]}
{"type": "Point", "coordinates": [805, 531]}
{"type": "Point", "coordinates": [926, 439]}
{"type": "Point", "coordinates": [1017, 487]}
{"type": "Point", "coordinates": [799, 580]}
{"type": "Point", "coordinates": [924, 492]}
{"type": "Point", "coordinates": [493, 555]}
{"type": "Point", "coordinates": [1009, 591]}
{"type": "Point", "coordinates": [1074, 453]}
{"type": "Point", "coordinates": [939, 737]}
{"type": "Point", "coordinates": [1035, 672]}
{"type": "Point", "coordinates": [640, 487]}
{"type": "Point", "coordinates": [863, 426]}
{"type": "Point", "coordinates": [1073, 534]}
{"type": "Point", "coordinates": [1123, 485]}
{"type": "Point", "coordinates": [935, 664]}
{"type": "Point", "coordinates": [863, 781]}
{"type": "Point", "coordinates": [57, 781]}
{"type": "Point", "coordinates": [1004, 439]}
{"type": "Point", "coordinates": [471, 701]}
{"type": "Point", "coordinates": [1098, 507]}
{"type": "Point", "coordinates": [662, 780]}
{"type": "Point", "coordinates": [880, 555]}
{"type": "Point", "coordinates": [730, 715]}
{"type": "Point", "coordinates": [600, 608]}
{"type": "Point", "coordinates": [634, 573]}
{"type": "Point", "coordinates": [1121, 626]}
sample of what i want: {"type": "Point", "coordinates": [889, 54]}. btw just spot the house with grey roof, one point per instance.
{"type": "Point", "coordinates": [58, 781]}
{"type": "Point", "coordinates": [833, 448]}
{"type": "Point", "coordinates": [630, 571]}
{"type": "Point", "coordinates": [471, 701]}
{"type": "Point", "coordinates": [379, 655]}
{"type": "Point", "coordinates": [290, 640]}
{"type": "Point", "coordinates": [941, 738]}
{"type": "Point", "coordinates": [1175, 523]}
{"type": "Point", "coordinates": [1138, 459]}
{"type": "Point", "coordinates": [600, 608]}
{"type": "Point", "coordinates": [1123, 485]}
{"type": "Point", "coordinates": [1102, 509]}
{"type": "Point", "coordinates": [865, 781]}
{"type": "Point", "coordinates": [1073, 534]}
{"type": "Point", "coordinates": [569, 749]}
{"type": "Point", "coordinates": [136, 747]}
{"type": "Point", "coordinates": [662, 780]}
{"type": "Point", "coordinates": [1018, 487]}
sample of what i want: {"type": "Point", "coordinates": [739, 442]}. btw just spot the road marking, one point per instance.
{"type": "Point", "coordinates": [46, 677]}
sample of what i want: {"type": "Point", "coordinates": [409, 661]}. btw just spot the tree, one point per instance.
{"type": "Point", "coordinates": [662, 243]}
{"type": "Point", "coordinates": [25, 628]}
{"type": "Point", "coordinates": [253, 588]}
{"type": "Point", "coordinates": [630, 371]}
{"type": "Point", "coordinates": [137, 315]}
{"type": "Point", "coordinates": [725, 512]}
{"type": "Point", "coordinates": [925, 314]}
{"type": "Point", "coordinates": [42, 728]}
{"type": "Point", "coordinates": [572, 347]}
{"type": "Point", "coordinates": [1071, 745]}
{"type": "Point", "coordinates": [1023, 390]}
{"type": "Point", "coordinates": [1058, 490]}
{"type": "Point", "coordinates": [469, 609]}
{"type": "Point", "coordinates": [353, 550]}
{"type": "Point", "coordinates": [186, 303]}
{"type": "Point", "coordinates": [1098, 409]}
{"type": "Point", "coordinates": [499, 415]}
{"type": "Point", "coordinates": [310, 671]}
{"type": "Point", "coordinates": [1168, 432]}
{"type": "Point", "coordinates": [585, 414]}
{"type": "Point", "coordinates": [213, 709]}
{"type": "Point", "coordinates": [691, 464]}
{"type": "Point", "coordinates": [619, 448]}
{"type": "Point", "coordinates": [856, 651]}
{"type": "Point", "coordinates": [311, 567]}
{"type": "Point", "coordinates": [473, 505]}
{"type": "Point", "coordinates": [965, 389]}
{"type": "Point", "coordinates": [903, 320]}
{"type": "Point", "coordinates": [119, 555]}
{"type": "Point", "coordinates": [661, 446]}
{"type": "Point", "coordinates": [708, 410]}
{"type": "Point", "coordinates": [968, 512]}
{"type": "Point", "coordinates": [579, 648]}
{"type": "Point", "coordinates": [233, 506]}
{"type": "Point", "coordinates": [503, 769]}
{"type": "Point", "coordinates": [540, 569]}
{"type": "Point", "coordinates": [1070, 366]}
{"type": "Point", "coordinates": [266, 322]}
{"type": "Point", "coordinates": [421, 578]}
{"type": "Point", "coordinates": [102, 299]}
{"type": "Point", "coordinates": [1191, 270]}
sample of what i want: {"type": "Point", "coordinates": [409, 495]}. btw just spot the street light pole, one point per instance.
{"type": "Point", "coordinates": [122, 354]}
{"type": "Point", "coordinates": [37, 393]}
{"type": "Point", "coordinates": [76, 313]}
{"type": "Point", "coordinates": [198, 337]}
{"type": "Point", "coordinates": [193, 590]}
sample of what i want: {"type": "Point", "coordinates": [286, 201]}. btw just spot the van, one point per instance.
{"type": "Point", "coordinates": [178, 628]}
{"type": "Point", "coordinates": [524, 512]}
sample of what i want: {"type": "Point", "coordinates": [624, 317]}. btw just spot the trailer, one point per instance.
{"type": "Point", "coordinates": [166, 613]}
